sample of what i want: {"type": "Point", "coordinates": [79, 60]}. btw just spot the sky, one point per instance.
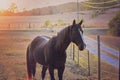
{"type": "Point", "coordinates": [30, 4]}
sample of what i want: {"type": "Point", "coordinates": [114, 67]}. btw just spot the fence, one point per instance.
{"type": "Point", "coordinates": [94, 65]}
{"type": "Point", "coordinates": [20, 26]}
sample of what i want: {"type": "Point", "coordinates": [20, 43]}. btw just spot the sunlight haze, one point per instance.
{"type": "Point", "coordinates": [30, 4]}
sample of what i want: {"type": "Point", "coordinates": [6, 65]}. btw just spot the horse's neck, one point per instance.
{"type": "Point", "coordinates": [62, 40]}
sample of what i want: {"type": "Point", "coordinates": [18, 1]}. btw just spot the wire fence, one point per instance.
{"type": "Point", "coordinates": [98, 63]}
{"type": "Point", "coordinates": [94, 64]}
{"type": "Point", "coordinates": [20, 26]}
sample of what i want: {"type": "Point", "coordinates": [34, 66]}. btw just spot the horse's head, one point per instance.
{"type": "Point", "coordinates": [77, 35]}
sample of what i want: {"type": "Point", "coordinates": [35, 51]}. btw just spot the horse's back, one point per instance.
{"type": "Point", "coordinates": [37, 48]}
{"type": "Point", "coordinates": [39, 41]}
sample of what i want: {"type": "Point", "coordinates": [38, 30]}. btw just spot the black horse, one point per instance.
{"type": "Point", "coordinates": [51, 52]}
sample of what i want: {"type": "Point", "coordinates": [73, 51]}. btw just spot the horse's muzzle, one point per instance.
{"type": "Point", "coordinates": [82, 47]}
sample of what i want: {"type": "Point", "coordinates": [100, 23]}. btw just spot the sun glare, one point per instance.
{"type": "Point", "coordinates": [5, 4]}
{"type": "Point", "coordinates": [21, 4]}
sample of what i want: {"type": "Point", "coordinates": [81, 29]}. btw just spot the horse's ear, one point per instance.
{"type": "Point", "coordinates": [74, 22]}
{"type": "Point", "coordinates": [81, 22]}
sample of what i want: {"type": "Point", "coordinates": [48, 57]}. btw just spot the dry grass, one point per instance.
{"type": "Point", "coordinates": [13, 56]}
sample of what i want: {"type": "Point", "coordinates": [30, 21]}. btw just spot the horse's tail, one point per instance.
{"type": "Point", "coordinates": [29, 74]}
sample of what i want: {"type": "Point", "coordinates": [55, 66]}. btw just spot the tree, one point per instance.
{"type": "Point", "coordinates": [24, 9]}
{"type": "Point", "coordinates": [114, 25]}
{"type": "Point", "coordinates": [47, 23]}
{"type": "Point", "coordinates": [13, 7]}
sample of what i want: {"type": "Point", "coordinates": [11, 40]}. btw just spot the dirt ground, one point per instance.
{"type": "Point", "coordinates": [13, 46]}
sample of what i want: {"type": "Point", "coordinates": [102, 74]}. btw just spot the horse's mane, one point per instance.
{"type": "Point", "coordinates": [63, 33]}
{"type": "Point", "coordinates": [62, 36]}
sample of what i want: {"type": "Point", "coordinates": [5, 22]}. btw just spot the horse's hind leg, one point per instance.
{"type": "Point", "coordinates": [33, 70]}
{"type": "Point", "coordinates": [60, 72]}
{"type": "Point", "coordinates": [44, 68]}
{"type": "Point", "coordinates": [51, 71]}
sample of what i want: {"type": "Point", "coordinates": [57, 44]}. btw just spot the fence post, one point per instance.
{"type": "Point", "coordinates": [119, 63]}
{"type": "Point", "coordinates": [73, 52]}
{"type": "Point", "coordinates": [78, 56]}
{"type": "Point", "coordinates": [88, 63]}
{"type": "Point", "coordinates": [9, 26]}
{"type": "Point", "coordinates": [29, 26]}
{"type": "Point", "coordinates": [70, 50]}
{"type": "Point", "coordinates": [99, 59]}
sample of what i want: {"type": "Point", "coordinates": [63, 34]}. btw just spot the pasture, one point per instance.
{"type": "Point", "coordinates": [19, 31]}
{"type": "Point", "coordinates": [13, 46]}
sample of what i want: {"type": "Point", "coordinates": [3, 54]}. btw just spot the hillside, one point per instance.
{"type": "Point", "coordinates": [67, 7]}
{"type": "Point", "coordinates": [63, 8]}
{"type": "Point", "coordinates": [72, 7]}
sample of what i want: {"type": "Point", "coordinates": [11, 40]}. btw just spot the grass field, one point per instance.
{"type": "Point", "coordinates": [13, 46]}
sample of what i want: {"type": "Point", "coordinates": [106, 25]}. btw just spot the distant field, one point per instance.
{"type": "Point", "coordinates": [35, 22]}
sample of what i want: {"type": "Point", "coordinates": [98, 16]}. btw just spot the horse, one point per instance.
{"type": "Point", "coordinates": [51, 52]}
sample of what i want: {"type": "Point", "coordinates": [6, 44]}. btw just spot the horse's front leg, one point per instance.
{"type": "Point", "coordinates": [51, 71]}
{"type": "Point", "coordinates": [44, 68]}
{"type": "Point", "coordinates": [60, 71]}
